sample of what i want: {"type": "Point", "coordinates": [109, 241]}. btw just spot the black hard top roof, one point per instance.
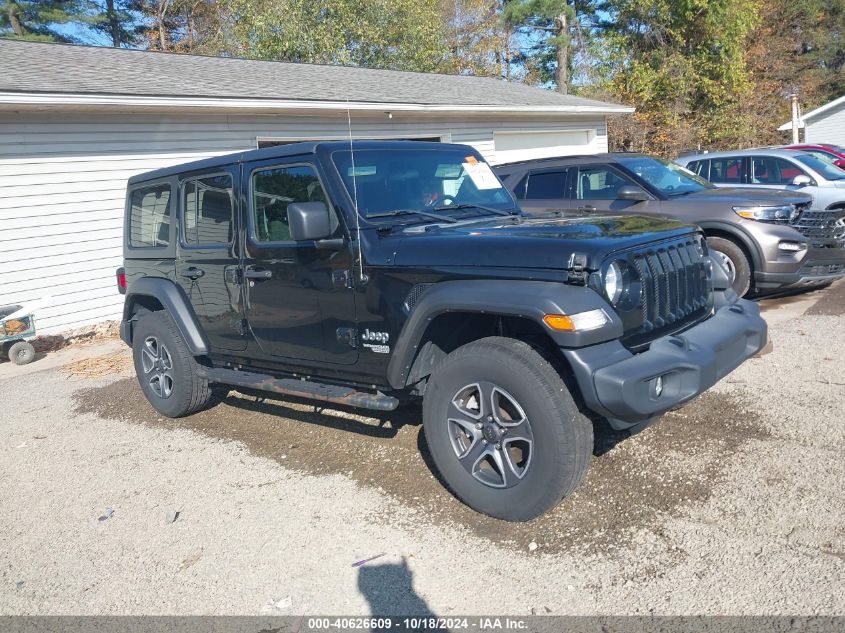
{"type": "Point", "coordinates": [285, 151]}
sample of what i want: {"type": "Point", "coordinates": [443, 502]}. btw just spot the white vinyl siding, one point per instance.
{"type": "Point", "coordinates": [63, 180]}
{"type": "Point", "coordinates": [827, 127]}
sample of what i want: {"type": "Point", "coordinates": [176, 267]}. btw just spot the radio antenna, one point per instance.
{"type": "Point", "coordinates": [355, 196]}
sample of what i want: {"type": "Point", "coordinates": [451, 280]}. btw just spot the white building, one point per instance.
{"type": "Point", "coordinates": [76, 122]}
{"type": "Point", "coordinates": [825, 124]}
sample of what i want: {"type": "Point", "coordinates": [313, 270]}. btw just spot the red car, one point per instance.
{"type": "Point", "coordinates": [823, 151]}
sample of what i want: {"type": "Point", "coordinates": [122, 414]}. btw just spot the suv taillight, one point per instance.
{"type": "Point", "coordinates": [121, 281]}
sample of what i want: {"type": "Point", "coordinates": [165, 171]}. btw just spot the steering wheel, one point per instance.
{"type": "Point", "coordinates": [443, 201]}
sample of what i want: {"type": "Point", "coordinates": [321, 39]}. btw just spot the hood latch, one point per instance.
{"type": "Point", "coordinates": [577, 269]}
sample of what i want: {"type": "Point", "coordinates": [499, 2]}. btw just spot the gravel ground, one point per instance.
{"type": "Point", "coordinates": [734, 504]}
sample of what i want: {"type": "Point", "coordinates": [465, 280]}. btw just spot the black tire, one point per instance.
{"type": "Point", "coordinates": [21, 353]}
{"type": "Point", "coordinates": [562, 445]}
{"type": "Point", "coordinates": [172, 386]}
{"type": "Point", "coordinates": [736, 260]}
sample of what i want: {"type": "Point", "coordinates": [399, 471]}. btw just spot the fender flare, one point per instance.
{"type": "Point", "coordinates": [176, 303]}
{"type": "Point", "coordinates": [740, 234]}
{"type": "Point", "coordinates": [526, 299]}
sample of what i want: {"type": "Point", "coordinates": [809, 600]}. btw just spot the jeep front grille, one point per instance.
{"type": "Point", "coordinates": [673, 279]}
{"type": "Point", "coordinates": [825, 229]}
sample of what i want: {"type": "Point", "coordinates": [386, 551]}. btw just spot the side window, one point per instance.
{"type": "Point", "coordinates": [275, 188]}
{"type": "Point", "coordinates": [599, 183]}
{"type": "Point", "coordinates": [207, 211]}
{"type": "Point", "coordinates": [149, 217]}
{"type": "Point", "coordinates": [700, 168]}
{"type": "Point", "coordinates": [769, 170]}
{"type": "Point", "coordinates": [726, 170]}
{"type": "Point", "coordinates": [547, 185]}
{"type": "Point", "coordinates": [519, 190]}
{"type": "Point", "coordinates": [822, 156]}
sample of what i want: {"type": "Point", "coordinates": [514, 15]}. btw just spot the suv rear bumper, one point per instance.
{"type": "Point", "coordinates": [623, 387]}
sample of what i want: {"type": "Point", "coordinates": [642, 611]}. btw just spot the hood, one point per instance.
{"type": "Point", "coordinates": [533, 243]}
{"type": "Point", "coordinates": [748, 196]}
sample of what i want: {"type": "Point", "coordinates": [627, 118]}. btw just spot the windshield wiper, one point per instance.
{"type": "Point", "coordinates": [468, 205]}
{"type": "Point", "coordinates": [425, 214]}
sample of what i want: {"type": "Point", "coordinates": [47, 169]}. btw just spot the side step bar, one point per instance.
{"type": "Point", "coordinates": [300, 388]}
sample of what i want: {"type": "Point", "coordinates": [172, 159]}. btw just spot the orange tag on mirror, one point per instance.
{"type": "Point", "coordinates": [472, 160]}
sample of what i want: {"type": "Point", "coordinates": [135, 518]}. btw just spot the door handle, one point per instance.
{"type": "Point", "coordinates": [587, 207]}
{"type": "Point", "coordinates": [258, 274]}
{"type": "Point", "coordinates": [192, 273]}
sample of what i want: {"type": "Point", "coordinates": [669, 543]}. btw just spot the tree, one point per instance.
{"type": "Point", "coordinates": [547, 25]}
{"type": "Point", "coordinates": [37, 20]}
{"type": "Point", "coordinates": [798, 47]}
{"type": "Point", "coordinates": [682, 64]}
{"type": "Point", "coordinates": [479, 42]}
{"type": "Point", "coordinates": [396, 34]}
{"type": "Point", "coordinates": [185, 26]}
{"type": "Point", "coordinates": [115, 20]}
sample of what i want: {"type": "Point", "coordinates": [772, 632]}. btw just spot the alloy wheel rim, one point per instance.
{"type": "Point", "coordinates": [490, 434]}
{"type": "Point", "coordinates": [728, 264]}
{"type": "Point", "coordinates": [157, 364]}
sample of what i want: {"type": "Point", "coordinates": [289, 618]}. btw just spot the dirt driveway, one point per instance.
{"type": "Point", "coordinates": [734, 504]}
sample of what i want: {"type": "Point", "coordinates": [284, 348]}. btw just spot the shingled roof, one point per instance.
{"type": "Point", "coordinates": [60, 69]}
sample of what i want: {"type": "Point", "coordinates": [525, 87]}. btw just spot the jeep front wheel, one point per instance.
{"type": "Point", "coordinates": [166, 370]}
{"type": "Point", "coordinates": [503, 429]}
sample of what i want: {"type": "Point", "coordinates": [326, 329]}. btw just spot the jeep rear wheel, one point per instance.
{"type": "Point", "coordinates": [504, 431]}
{"type": "Point", "coordinates": [166, 370]}
{"type": "Point", "coordinates": [733, 258]}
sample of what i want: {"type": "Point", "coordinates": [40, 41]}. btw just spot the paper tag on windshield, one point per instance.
{"type": "Point", "coordinates": [481, 175]}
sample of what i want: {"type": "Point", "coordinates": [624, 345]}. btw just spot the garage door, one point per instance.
{"type": "Point", "coordinates": [514, 146]}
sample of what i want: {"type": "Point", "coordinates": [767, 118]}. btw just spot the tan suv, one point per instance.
{"type": "Point", "coordinates": [762, 236]}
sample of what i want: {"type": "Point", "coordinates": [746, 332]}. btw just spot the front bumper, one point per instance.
{"type": "Point", "coordinates": [620, 386]}
{"type": "Point", "coordinates": [812, 273]}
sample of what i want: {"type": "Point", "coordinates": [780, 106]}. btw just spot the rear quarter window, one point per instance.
{"type": "Point", "coordinates": [149, 216]}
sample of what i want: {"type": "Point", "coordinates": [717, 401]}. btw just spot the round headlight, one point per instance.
{"type": "Point", "coordinates": [613, 282]}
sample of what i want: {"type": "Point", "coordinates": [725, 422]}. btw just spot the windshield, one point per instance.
{"type": "Point", "coordinates": [389, 180]}
{"type": "Point", "coordinates": [826, 170]}
{"type": "Point", "coordinates": [668, 178]}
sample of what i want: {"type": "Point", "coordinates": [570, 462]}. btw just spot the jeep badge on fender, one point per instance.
{"type": "Point", "coordinates": [385, 271]}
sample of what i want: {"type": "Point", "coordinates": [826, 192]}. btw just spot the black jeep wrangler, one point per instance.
{"type": "Point", "coordinates": [371, 273]}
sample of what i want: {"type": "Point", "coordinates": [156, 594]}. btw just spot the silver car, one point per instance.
{"type": "Point", "coordinates": [773, 169]}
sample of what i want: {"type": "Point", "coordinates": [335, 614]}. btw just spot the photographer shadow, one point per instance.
{"type": "Point", "coordinates": [389, 590]}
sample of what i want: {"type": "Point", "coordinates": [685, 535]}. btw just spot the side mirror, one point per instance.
{"type": "Point", "coordinates": [840, 162]}
{"type": "Point", "coordinates": [309, 221]}
{"type": "Point", "coordinates": [632, 192]}
{"type": "Point", "coordinates": [801, 180]}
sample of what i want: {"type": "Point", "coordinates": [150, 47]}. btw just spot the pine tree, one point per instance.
{"type": "Point", "coordinates": [38, 20]}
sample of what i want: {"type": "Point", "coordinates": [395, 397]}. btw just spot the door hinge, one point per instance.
{"type": "Point", "coordinates": [348, 335]}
